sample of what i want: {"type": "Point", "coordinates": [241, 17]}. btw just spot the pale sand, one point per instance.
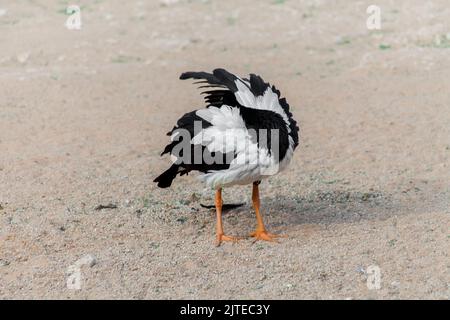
{"type": "Point", "coordinates": [83, 117]}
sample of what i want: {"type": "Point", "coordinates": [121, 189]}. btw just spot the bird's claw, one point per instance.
{"type": "Point", "coordinates": [221, 237]}
{"type": "Point", "coordinates": [266, 236]}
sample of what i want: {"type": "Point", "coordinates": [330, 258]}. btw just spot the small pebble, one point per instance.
{"type": "Point", "coordinates": [4, 263]}
{"type": "Point", "coordinates": [168, 2]}
{"type": "Point", "coordinates": [88, 260]}
{"type": "Point", "coordinates": [360, 270]}
{"type": "Point", "coordinates": [23, 57]}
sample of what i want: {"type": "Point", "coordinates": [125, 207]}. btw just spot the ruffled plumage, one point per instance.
{"type": "Point", "coordinates": [230, 130]}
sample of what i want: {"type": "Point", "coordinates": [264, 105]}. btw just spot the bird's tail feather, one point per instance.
{"type": "Point", "coordinates": [165, 179]}
{"type": "Point", "coordinates": [219, 77]}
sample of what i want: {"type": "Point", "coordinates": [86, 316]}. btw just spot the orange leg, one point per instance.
{"type": "Point", "coordinates": [220, 236]}
{"type": "Point", "coordinates": [260, 232]}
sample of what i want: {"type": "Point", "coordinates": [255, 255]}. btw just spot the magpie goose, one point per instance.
{"type": "Point", "coordinates": [245, 133]}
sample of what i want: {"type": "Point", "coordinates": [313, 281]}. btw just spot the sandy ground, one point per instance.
{"type": "Point", "coordinates": [83, 116]}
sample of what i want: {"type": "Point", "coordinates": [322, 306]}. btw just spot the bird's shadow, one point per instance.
{"type": "Point", "coordinates": [320, 207]}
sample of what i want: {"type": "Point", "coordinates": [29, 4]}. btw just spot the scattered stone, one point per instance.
{"type": "Point", "coordinates": [195, 197]}
{"type": "Point", "coordinates": [108, 16]}
{"type": "Point", "coordinates": [23, 57]}
{"type": "Point", "coordinates": [154, 245]}
{"type": "Point", "coordinates": [88, 260]}
{"type": "Point", "coordinates": [105, 206]}
{"type": "Point", "coordinates": [182, 219]}
{"type": "Point", "coordinates": [166, 3]}
{"type": "Point", "coordinates": [360, 270]}
{"type": "Point", "coordinates": [183, 202]}
{"type": "Point", "coordinates": [5, 59]}
{"type": "Point", "coordinates": [323, 276]}
{"type": "Point", "coordinates": [127, 203]}
{"type": "Point", "coordinates": [4, 263]}
{"type": "Point", "coordinates": [392, 242]}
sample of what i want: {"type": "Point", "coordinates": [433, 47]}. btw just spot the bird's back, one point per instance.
{"type": "Point", "coordinates": [246, 132]}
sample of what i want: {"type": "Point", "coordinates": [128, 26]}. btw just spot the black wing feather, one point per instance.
{"type": "Point", "coordinates": [292, 123]}
{"type": "Point", "coordinates": [223, 85]}
{"type": "Point", "coordinates": [220, 79]}
{"type": "Point", "coordinates": [257, 85]}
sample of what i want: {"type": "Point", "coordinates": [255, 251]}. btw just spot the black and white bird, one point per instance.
{"type": "Point", "coordinates": [245, 134]}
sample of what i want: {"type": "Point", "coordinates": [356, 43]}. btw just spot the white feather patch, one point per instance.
{"type": "Point", "coordinates": [228, 133]}
{"type": "Point", "coordinates": [268, 101]}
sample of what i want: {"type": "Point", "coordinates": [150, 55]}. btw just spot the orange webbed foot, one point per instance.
{"type": "Point", "coordinates": [221, 237]}
{"type": "Point", "coordinates": [266, 236]}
